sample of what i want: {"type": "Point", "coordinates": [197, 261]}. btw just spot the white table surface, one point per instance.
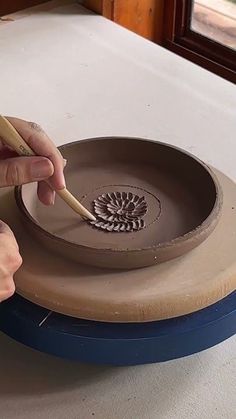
{"type": "Point", "coordinates": [79, 75]}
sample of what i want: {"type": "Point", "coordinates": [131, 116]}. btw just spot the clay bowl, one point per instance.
{"type": "Point", "coordinates": [168, 200]}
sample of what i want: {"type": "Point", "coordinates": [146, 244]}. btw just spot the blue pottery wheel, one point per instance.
{"type": "Point", "coordinates": [117, 344]}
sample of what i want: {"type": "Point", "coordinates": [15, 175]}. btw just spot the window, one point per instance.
{"type": "Point", "coordinates": [203, 31]}
{"type": "Point", "coordinates": [215, 19]}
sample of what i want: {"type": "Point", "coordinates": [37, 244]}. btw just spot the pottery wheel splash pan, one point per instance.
{"type": "Point", "coordinates": [153, 202]}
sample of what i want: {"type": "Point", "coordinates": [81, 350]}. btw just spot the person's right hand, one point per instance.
{"type": "Point", "coordinates": [10, 261]}
{"type": "Point", "coordinates": [47, 164]}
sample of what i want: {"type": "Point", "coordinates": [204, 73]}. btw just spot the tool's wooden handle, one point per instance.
{"type": "Point", "coordinates": [75, 204]}
{"type": "Point", "coordinates": [13, 139]}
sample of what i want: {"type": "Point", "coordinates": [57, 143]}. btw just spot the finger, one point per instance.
{"type": "Point", "coordinates": [41, 144]}
{"type": "Point", "coordinates": [6, 153]}
{"type": "Point", "coordinates": [21, 170]}
{"type": "Point", "coordinates": [46, 194]}
{"type": "Point", "coordinates": [4, 228]}
{"type": "Point", "coordinates": [7, 232]}
{"type": "Point", "coordinates": [11, 260]}
{"type": "Point", "coordinates": [7, 241]}
{"type": "Point", "coordinates": [7, 289]}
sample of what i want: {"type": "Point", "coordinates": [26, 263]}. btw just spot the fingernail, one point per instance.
{"type": "Point", "coordinates": [63, 181]}
{"type": "Point", "coordinates": [52, 198]}
{"type": "Point", "coordinates": [42, 169]}
{"type": "Point", "coordinates": [64, 162]}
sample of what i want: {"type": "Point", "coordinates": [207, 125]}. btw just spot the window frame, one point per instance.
{"type": "Point", "coordinates": [181, 39]}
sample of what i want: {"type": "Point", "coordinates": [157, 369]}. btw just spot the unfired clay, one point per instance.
{"type": "Point", "coordinates": [119, 212]}
{"type": "Point", "coordinates": [183, 199]}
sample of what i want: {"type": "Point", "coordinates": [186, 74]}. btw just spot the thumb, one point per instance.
{"type": "Point", "coordinates": [20, 170]}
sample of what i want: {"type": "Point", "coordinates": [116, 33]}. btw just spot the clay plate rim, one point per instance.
{"type": "Point", "coordinates": [206, 226]}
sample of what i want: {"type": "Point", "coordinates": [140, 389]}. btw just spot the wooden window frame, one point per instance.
{"type": "Point", "coordinates": [179, 38]}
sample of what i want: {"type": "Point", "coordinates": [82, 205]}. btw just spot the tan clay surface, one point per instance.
{"type": "Point", "coordinates": [183, 203]}
{"type": "Point", "coordinates": [181, 286]}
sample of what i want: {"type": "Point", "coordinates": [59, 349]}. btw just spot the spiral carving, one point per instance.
{"type": "Point", "coordinates": [119, 212]}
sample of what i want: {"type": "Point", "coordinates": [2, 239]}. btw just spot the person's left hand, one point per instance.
{"type": "Point", "coordinates": [10, 261]}
{"type": "Point", "coordinates": [48, 163]}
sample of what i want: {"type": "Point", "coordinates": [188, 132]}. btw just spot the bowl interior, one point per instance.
{"type": "Point", "coordinates": [178, 191]}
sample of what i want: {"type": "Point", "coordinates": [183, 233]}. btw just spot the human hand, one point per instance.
{"type": "Point", "coordinates": [15, 170]}
{"type": "Point", "coordinates": [10, 261]}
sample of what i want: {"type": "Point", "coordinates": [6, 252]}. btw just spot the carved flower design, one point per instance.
{"type": "Point", "coordinates": [120, 212]}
